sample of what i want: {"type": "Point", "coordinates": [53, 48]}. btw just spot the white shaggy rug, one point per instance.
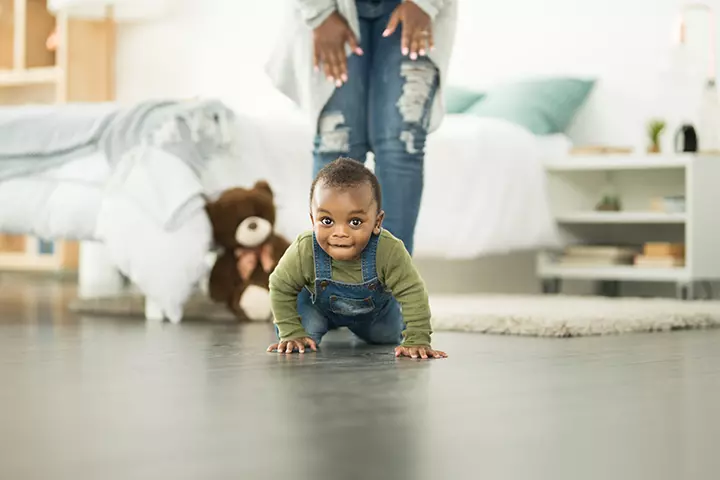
{"type": "Point", "coordinates": [568, 316]}
{"type": "Point", "coordinates": [533, 315]}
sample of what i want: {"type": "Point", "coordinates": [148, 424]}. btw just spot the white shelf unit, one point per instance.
{"type": "Point", "coordinates": [576, 163]}
{"type": "Point", "coordinates": [577, 183]}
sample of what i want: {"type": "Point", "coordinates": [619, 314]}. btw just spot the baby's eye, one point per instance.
{"type": "Point", "coordinates": [326, 221]}
{"type": "Point", "coordinates": [356, 222]}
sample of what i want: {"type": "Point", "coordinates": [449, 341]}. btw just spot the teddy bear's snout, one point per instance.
{"type": "Point", "coordinates": [253, 231]}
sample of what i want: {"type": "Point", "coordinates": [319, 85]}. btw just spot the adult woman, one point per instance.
{"type": "Point", "coordinates": [369, 74]}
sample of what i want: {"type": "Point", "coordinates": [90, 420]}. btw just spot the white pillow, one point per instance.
{"type": "Point", "coordinates": [165, 259]}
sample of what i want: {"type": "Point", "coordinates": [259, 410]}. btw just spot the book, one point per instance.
{"type": "Point", "coordinates": [659, 261]}
{"type": "Point", "coordinates": [664, 249]}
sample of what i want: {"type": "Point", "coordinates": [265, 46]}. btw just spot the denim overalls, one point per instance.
{"type": "Point", "coordinates": [367, 308]}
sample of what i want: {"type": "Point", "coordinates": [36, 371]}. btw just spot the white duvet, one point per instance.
{"type": "Point", "coordinates": [148, 211]}
{"type": "Point", "coordinates": [58, 203]}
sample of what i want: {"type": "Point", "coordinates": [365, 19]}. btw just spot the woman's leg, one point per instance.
{"type": "Point", "coordinates": [342, 126]}
{"type": "Point", "coordinates": [401, 93]}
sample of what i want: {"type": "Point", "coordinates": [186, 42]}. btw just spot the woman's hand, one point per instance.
{"type": "Point", "coordinates": [290, 346]}
{"type": "Point", "coordinates": [422, 352]}
{"type": "Point", "coordinates": [416, 30]}
{"type": "Point", "coordinates": [329, 40]}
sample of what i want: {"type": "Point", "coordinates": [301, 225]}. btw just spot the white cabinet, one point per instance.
{"type": "Point", "coordinates": [576, 184]}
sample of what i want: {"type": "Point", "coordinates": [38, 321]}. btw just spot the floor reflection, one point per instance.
{"type": "Point", "coordinates": [121, 398]}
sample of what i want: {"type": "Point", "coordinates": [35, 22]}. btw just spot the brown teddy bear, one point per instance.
{"type": "Point", "coordinates": [243, 223]}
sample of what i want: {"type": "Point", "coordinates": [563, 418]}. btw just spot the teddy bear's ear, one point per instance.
{"type": "Point", "coordinates": [264, 186]}
{"type": "Point", "coordinates": [212, 210]}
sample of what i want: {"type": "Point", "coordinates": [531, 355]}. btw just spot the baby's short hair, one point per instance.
{"type": "Point", "coordinates": [347, 173]}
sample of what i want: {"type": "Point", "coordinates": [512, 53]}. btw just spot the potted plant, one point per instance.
{"type": "Point", "coordinates": [609, 199]}
{"type": "Point", "coordinates": [608, 203]}
{"type": "Point", "coordinates": [655, 129]}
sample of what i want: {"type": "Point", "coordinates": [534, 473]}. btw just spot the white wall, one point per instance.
{"type": "Point", "coordinates": [204, 47]}
{"type": "Point", "coordinates": [218, 47]}
{"type": "Point", "coordinates": [624, 44]}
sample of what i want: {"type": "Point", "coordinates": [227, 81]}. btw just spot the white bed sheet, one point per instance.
{"type": "Point", "coordinates": [276, 149]}
{"type": "Point", "coordinates": [485, 189]}
{"type": "Point", "coordinates": [484, 184]}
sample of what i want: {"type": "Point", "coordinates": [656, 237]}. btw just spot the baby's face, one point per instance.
{"type": "Point", "coordinates": [344, 219]}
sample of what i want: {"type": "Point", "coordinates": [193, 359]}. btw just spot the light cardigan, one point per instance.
{"type": "Point", "coordinates": [290, 66]}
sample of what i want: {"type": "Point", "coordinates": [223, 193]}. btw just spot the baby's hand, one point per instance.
{"type": "Point", "coordinates": [290, 346]}
{"type": "Point", "coordinates": [422, 352]}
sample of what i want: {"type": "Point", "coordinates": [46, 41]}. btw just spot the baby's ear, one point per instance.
{"type": "Point", "coordinates": [378, 222]}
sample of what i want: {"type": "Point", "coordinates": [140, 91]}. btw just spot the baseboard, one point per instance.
{"type": "Point", "coordinates": [510, 273]}
{"type": "Point", "coordinates": [516, 274]}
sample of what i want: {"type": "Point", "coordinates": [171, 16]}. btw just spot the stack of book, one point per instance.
{"type": "Point", "coordinates": [597, 255]}
{"type": "Point", "coordinates": [662, 255]}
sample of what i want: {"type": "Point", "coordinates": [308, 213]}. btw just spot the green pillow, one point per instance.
{"type": "Point", "coordinates": [543, 106]}
{"type": "Point", "coordinates": [459, 99]}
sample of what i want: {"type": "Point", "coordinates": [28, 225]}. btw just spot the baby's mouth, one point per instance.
{"type": "Point", "coordinates": [340, 246]}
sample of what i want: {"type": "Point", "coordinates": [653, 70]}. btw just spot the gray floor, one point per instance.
{"type": "Point", "coordinates": [104, 398]}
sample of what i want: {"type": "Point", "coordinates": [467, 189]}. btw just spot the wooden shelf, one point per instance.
{"type": "Point", "coordinates": [79, 69]}
{"type": "Point", "coordinates": [30, 76]}
{"type": "Point", "coordinates": [18, 252]}
{"type": "Point", "coordinates": [621, 218]}
{"type": "Point", "coordinates": [21, 261]}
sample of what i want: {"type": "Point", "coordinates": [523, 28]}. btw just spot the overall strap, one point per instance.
{"type": "Point", "coordinates": [368, 257]}
{"type": "Point", "coordinates": [323, 262]}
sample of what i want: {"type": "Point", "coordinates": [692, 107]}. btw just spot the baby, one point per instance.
{"type": "Point", "coordinates": [349, 272]}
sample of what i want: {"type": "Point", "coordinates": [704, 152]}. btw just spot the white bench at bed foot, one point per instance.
{"type": "Point", "coordinates": [153, 312]}
{"type": "Point", "coordinates": [98, 277]}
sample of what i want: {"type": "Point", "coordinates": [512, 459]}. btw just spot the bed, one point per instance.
{"type": "Point", "coordinates": [134, 190]}
{"type": "Point", "coordinates": [485, 181]}
{"type": "Point", "coordinates": [484, 189]}
{"type": "Point", "coordinates": [144, 217]}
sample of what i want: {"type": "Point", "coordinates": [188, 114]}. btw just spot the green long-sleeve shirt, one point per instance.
{"type": "Point", "coordinates": [395, 270]}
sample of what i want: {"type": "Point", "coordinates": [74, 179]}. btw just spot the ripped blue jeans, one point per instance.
{"type": "Point", "coordinates": [384, 108]}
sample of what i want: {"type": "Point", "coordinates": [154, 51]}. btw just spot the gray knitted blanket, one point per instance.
{"type": "Point", "coordinates": [34, 138]}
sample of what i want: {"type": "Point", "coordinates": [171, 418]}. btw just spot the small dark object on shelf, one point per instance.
{"type": "Point", "coordinates": [686, 139]}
